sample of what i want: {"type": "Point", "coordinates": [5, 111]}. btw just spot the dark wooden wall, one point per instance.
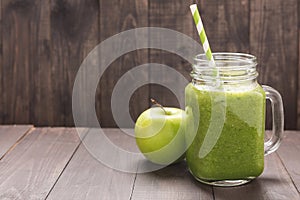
{"type": "Point", "coordinates": [43, 43]}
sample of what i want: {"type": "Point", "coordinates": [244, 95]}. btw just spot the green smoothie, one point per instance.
{"type": "Point", "coordinates": [226, 130]}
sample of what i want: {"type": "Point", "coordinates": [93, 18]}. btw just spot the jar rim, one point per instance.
{"type": "Point", "coordinates": [234, 57]}
{"type": "Point", "coordinates": [231, 68]}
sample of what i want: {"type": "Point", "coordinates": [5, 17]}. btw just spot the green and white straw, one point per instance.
{"type": "Point", "coordinates": [203, 39]}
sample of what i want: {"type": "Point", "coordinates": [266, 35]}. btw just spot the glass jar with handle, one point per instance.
{"type": "Point", "coordinates": [226, 120]}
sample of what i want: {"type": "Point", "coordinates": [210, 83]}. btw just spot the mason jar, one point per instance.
{"type": "Point", "coordinates": [225, 108]}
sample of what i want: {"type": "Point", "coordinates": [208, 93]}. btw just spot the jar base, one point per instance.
{"type": "Point", "coordinates": [224, 183]}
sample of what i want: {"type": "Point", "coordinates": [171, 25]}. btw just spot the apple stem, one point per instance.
{"type": "Point", "coordinates": [159, 105]}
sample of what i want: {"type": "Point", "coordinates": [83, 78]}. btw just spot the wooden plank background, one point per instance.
{"type": "Point", "coordinates": [44, 42]}
{"type": "Point", "coordinates": [54, 164]}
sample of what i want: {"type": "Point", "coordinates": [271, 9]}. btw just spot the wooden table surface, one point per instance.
{"type": "Point", "coordinates": [52, 163]}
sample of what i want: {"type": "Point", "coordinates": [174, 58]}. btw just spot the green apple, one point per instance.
{"type": "Point", "coordinates": [160, 136]}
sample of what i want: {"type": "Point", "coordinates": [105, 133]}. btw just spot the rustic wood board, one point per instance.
{"type": "Point", "coordinates": [117, 16]}
{"type": "Point", "coordinates": [289, 155]}
{"type": "Point", "coordinates": [87, 178]}
{"type": "Point", "coordinates": [50, 163]}
{"type": "Point", "coordinates": [30, 170]}
{"type": "Point", "coordinates": [1, 66]}
{"type": "Point", "coordinates": [42, 94]}
{"type": "Point", "coordinates": [272, 40]}
{"type": "Point", "coordinates": [44, 42]}
{"type": "Point", "coordinates": [174, 15]}
{"type": "Point", "coordinates": [298, 96]}
{"type": "Point", "coordinates": [226, 24]}
{"type": "Point", "coordinates": [74, 32]}
{"type": "Point", "coordinates": [275, 183]}
{"type": "Point", "coordinates": [172, 182]}
{"type": "Point", "coordinates": [10, 136]}
{"type": "Point", "coordinates": [19, 58]}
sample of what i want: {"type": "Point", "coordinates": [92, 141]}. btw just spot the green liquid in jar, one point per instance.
{"type": "Point", "coordinates": [237, 119]}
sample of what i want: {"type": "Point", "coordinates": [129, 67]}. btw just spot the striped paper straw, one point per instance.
{"type": "Point", "coordinates": [203, 38]}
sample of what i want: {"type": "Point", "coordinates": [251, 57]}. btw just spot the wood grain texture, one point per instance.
{"type": "Point", "coordinates": [172, 182]}
{"type": "Point", "coordinates": [226, 24]}
{"type": "Point", "coordinates": [73, 33]}
{"type": "Point", "coordinates": [9, 136]}
{"type": "Point", "coordinates": [87, 178]}
{"type": "Point", "coordinates": [117, 16]}
{"type": "Point", "coordinates": [42, 44]}
{"type": "Point", "coordinates": [19, 58]}
{"type": "Point", "coordinates": [50, 163]}
{"type": "Point", "coordinates": [30, 170]}
{"type": "Point", "coordinates": [42, 112]}
{"type": "Point", "coordinates": [1, 65]}
{"type": "Point", "coordinates": [298, 96]}
{"type": "Point", "coordinates": [274, 183]}
{"type": "Point", "coordinates": [174, 15]}
{"type": "Point", "coordinates": [273, 32]}
{"type": "Point", "coordinates": [289, 155]}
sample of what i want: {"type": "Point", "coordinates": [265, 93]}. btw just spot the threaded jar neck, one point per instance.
{"type": "Point", "coordinates": [233, 68]}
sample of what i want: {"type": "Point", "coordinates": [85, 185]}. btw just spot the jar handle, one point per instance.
{"type": "Point", "coordinates": [277, 117]}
